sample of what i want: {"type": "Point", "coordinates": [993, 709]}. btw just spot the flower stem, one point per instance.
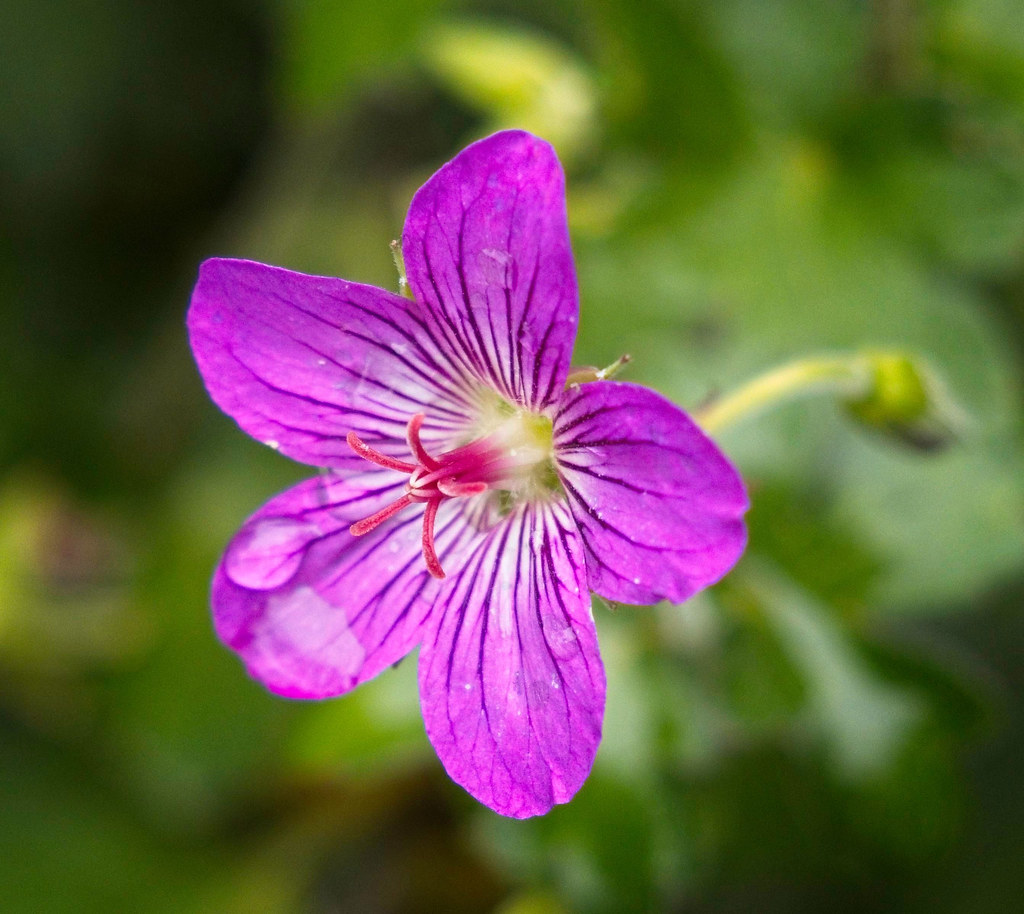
{"type": "Point", "coordinates": [848, 375]}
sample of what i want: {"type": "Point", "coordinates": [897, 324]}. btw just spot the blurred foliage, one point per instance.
{"type": "Point", "coordinates": [836, 726]}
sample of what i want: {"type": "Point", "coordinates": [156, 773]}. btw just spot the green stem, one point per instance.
{"type": "Point", "coordinates": [399, 259]}
{"type": "Point", "coordinates": [848, 375]}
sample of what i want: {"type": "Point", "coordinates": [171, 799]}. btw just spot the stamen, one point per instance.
{"type": "Point", "coordinates": [454, 489]}
{"type": "Point", "coordinates": [374, 456]}
{"type": "Point", "coordinates": [429, 514]}
{"type": "Point", "coordinates": [434, 477]}
{"type": "Point", "coordinates": [513, 449]}
{"type": "Point", "coordinates": [375, 520]}
{"type": "Point", "coordinates": [416, 446]}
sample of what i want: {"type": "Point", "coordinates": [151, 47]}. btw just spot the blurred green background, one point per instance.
{"type": "Point", "coordinates": [837, 726]}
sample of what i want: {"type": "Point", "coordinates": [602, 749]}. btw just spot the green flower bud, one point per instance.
{"type": "Point", "coordinates": [905, 400]}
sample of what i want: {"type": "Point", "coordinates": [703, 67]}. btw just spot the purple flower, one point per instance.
{"type": "Point", "coordinates": [471, 499]}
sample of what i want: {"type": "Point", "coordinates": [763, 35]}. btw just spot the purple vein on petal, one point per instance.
{"type": "Point", "coordinates": [455, 391]}
{"type": "Point", "coordinates": [458, 343]}
{"type": "Point", "coordinates": [513, 687]}
{"type": "Point", "coordinates": [488, 245]}
{"type": "Point", "coordinates": [490, 360]}
{"type": "Point", "coordinates": [317, 432]}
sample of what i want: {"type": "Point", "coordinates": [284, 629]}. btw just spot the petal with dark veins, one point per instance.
{"type": "Point", "coordinates": [486, 247]}
{"type": "Point", "coordinates": [299, 361]}
{"type": "Point", "coordinates": [511, 681]}
{"type": "Point", "coordinates": [313, 610]}
{"type": "Point", "coordinates": [659, 507]}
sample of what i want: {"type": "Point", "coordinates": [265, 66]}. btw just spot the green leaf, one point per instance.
{"type": "Point", "coordinates": [329, 46]}
{"type": "Point", "coordinates": [863, 719]}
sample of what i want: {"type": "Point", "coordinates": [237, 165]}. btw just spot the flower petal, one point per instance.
{"type": "Point", "coordinates": [298, 361]}
{"type": "Point", "coordinates": [312, 610]}
{"type": "Point", "coordinates": [659, 507]}
{"type": "Point", "coordinates": [486, 249]}
{"type": "Point", "coordinates": [511, 682]}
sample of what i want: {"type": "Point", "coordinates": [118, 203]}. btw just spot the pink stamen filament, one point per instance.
{"type": "Point", "coordinates": [375, 520]}
{"type": "Point", "coordinates": [374, 456]}
{"type": "Point", "coordinates": [429, 515]}
{"type": "Point", "coordinates": [416, 446]}
{"type": "Point", "coordinates": [430, 481]}
{"type": "Point", "coordinates": [452, 467]}
{"type": "Point", "coordinates": [454, 489]}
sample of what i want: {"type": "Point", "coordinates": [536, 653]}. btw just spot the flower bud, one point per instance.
{"type": "Point", "coordinates": [906, 400]}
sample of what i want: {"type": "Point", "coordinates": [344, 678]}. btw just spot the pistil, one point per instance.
{"type": "Point", "coordinates": [493, 461]}
{"type": "Point", "coordinates": [430, 481]}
